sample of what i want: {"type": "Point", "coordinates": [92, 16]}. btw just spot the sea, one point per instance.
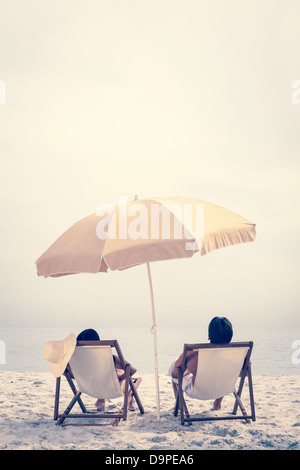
{"type": "Point", "coordinates": [275, 351]}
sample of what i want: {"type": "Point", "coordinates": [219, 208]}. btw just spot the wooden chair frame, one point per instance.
{"type": "Point", "coordinates": [129, 389]}
{"type": "Point", "coordinates": [245, 372]}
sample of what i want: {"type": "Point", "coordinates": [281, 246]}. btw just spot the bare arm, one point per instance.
{"type": "Point", "coordinates": [189, 365]}
{"type": "Point", "coordinates": [178, 363]}
{"type": "Point", "coordinates": [118, 365]}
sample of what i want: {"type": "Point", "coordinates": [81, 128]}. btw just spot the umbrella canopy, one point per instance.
{"type": "Point", "coordinates": [143, 231]}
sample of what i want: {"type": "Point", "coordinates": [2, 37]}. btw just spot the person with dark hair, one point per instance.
{"type": "Point", "coordinates": [88, 335]}
{"type": "Point", "coordinates": [219, 332]}
{"type": "Point", "coordinates": [92, 335]}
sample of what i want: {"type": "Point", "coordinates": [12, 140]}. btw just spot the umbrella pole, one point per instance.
{"type": "Point", "coordinates": [153, 331]}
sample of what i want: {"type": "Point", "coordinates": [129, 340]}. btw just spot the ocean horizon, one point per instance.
{"type": "Point", "coordinates": [273, 352]}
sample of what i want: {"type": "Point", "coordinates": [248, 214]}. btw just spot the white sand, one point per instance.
{"type": "Point", "coordinates": [26, 422]}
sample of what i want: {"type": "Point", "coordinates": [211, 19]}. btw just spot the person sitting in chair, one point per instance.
{"type": "Point", "coordinates": [92, 335]}
{"type": "Point", "coordinates": [219, 332]}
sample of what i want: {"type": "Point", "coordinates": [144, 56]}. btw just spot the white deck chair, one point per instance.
{"type": "Point", "coordinates": [92, 368]}
{"type": "Point", "coordinates": [218, 370]}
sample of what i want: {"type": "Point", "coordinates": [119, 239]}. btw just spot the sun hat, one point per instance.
{"type": "Point", "coordinates": [58, 353]}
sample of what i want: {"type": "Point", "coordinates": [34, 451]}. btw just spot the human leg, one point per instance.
{"type": "Point", "coordinates": [217, 403]}
{"type": "Point", "coordinates": [100, 404]}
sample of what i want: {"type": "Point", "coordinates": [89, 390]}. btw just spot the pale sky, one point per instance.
{"type": "Point", "coordinates": [155, 98]}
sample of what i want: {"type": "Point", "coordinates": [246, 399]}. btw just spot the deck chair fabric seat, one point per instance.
{"type": "Point", "coordinates": [218, 369]}
{"type": "Point", "coordinates": [217, 373]}
{"type": "Point", "coordinates": [91, 371]}
{"type": "Point", "coordinates": [85, 361]}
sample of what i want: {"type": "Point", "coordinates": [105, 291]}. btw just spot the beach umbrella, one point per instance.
{"type": "Point", "coordinates": [138, 232]}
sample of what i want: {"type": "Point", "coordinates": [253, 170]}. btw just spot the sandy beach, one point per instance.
{"type": "Point", "coordinates": [27, 400]}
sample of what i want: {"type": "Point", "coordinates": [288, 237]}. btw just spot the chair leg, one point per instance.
{"type": "Point", "coordinates": [68, 409]}
{"type": "Point", "coordinates": [73, 388]}
{"type": "Point", "coordinates": [126, 391]}
{"type": "Point", "coordinates": [251, 393]}
{"type": "Point", "coordinates": [239, 392]}
{"type": "Point", "coordinates": [175, 389]}
{"type": "Point", "coordinates": [242, 408]}
{"type": "Point", "coordinates": [127, 386]}
{"type": "Point", "coordinates": [238, 402]}
{"type": "Point", "coordinates": [56, 403]}
{"type": "Point", "coordinates": [186, 412]}
{"type": "Point", "coordinates": [136, 395]}
{"type": "Point", "coordinates": [180, 397]}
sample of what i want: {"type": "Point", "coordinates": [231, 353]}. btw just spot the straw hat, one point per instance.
{"type": "Point", "coordinates": [58, 353]}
